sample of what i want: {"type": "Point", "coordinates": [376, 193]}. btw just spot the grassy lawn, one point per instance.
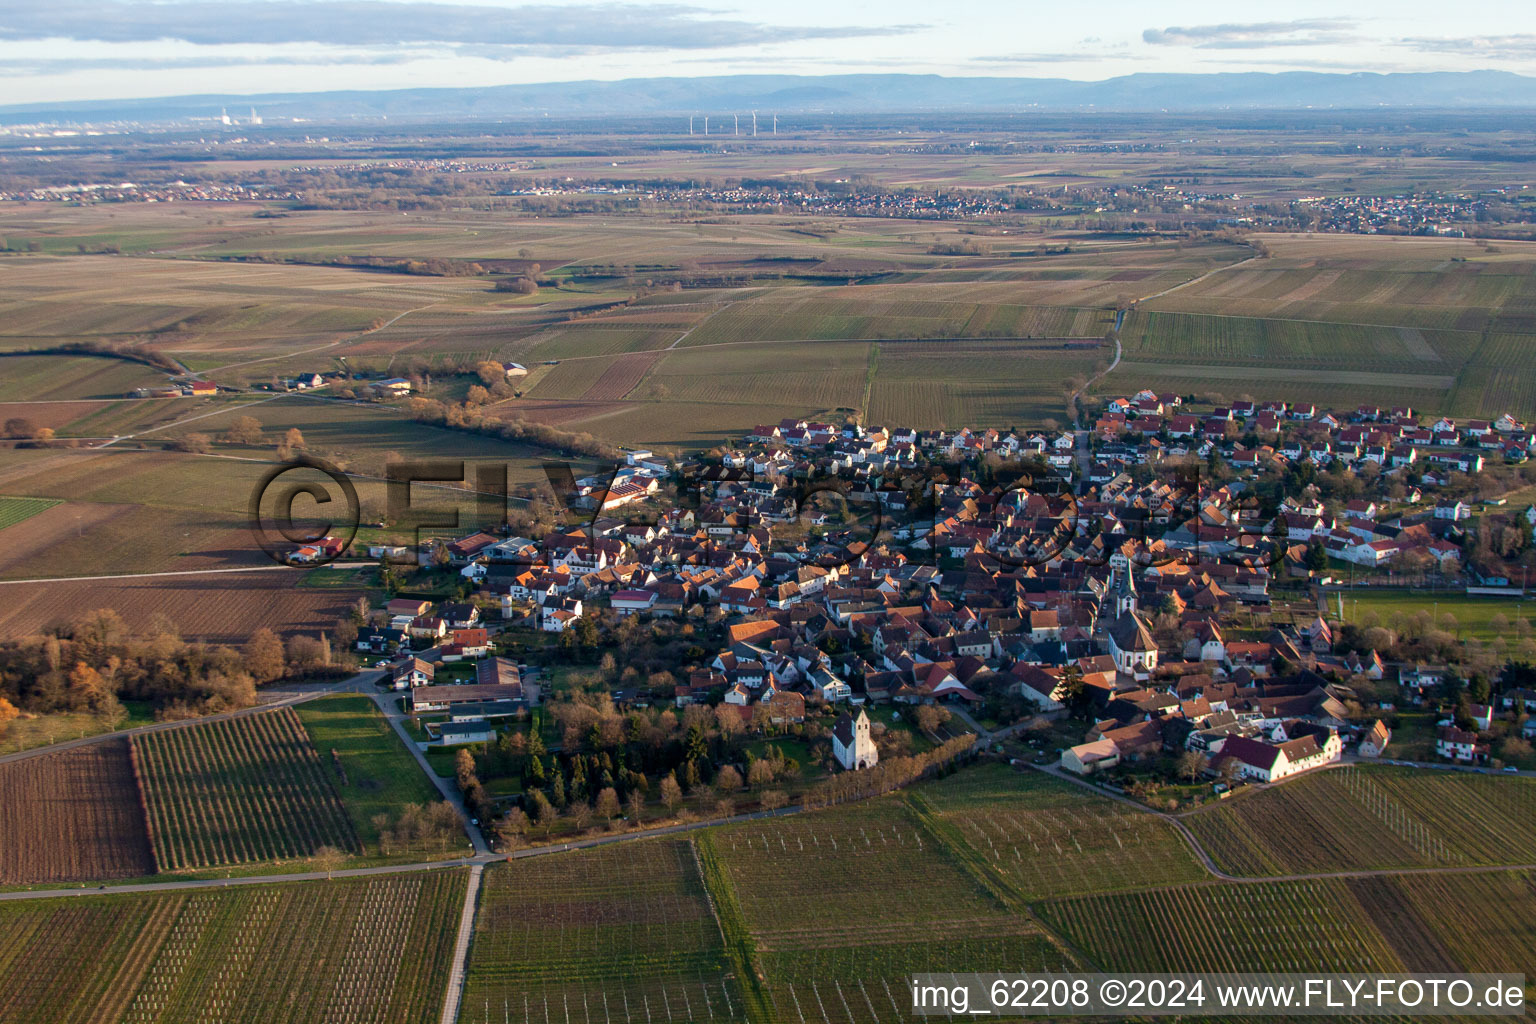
{"type": "Point", "coordinates": [26, 733]}
{"type": "Point", "coordinates": [896, 718]}
{"type": "Point", "coordinates": [382, 776]}
{"type": "Point", "coordinates": [1474, 615]}
{"type": "Point", "coordinates": [346, 579]}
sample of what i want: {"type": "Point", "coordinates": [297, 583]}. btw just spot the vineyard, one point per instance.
{"type": "Point", "coordinates": [1483, 922]}
{"type": "Point", "coordinates": [842, 905]}
{"type": "Point", "coordinates": [72, 816]}
{"type": "Point", "coordinates": [373, 951]}
{"type": "Point", "coordinates": [607, 935]}
{"type": "Point", "coordinates": [1371, 817]}
{"type": "Point", "coordinates": [14, 510]}
{"type": "Point", "coordinates": [1277, 926]}
{"type": "Point", "coordinates": [1045, 837]}
{"type": "Point", "coordinates": [238, 790]}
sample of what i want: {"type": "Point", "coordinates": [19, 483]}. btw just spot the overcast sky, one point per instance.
{"type": "Point", "coordinates": [87, 49]}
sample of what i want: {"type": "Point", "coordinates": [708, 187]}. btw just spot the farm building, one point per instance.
{"type": "Point", "coordinates": [393, 387]}
{"type": "Point", "coordinates": [1087, 758]}
{"type": "Point", "coordinates": [1375, 741]}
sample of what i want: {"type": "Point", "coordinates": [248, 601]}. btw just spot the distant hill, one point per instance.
{"type": "Point", "coordinates": [840, 94]}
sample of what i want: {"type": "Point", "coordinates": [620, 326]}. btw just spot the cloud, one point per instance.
{"type": "Point", "coordinates": [18, 66]}
{"type": "Point", "coordinates": [1253, 36]}
{"type": "Point", "coordinates": [541, 28]}
{"type": "Point", "coordinates": [1520, 46]}
{"type": "Point", "coordinates": [1043, 58]}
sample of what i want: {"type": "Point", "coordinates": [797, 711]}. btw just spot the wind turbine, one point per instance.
{"type": "Point", "coordinates": [775, 124]}
{"type": "Point", "coordinates": [706, 124]}
{"type": "Point", "coordinates": [690, 124]}
{"type": "Point", "coordinates": [754, 124]}
{"type": "Point", "coordinates": [736, 120]}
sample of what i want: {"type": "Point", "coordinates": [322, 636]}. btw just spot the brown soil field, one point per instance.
{"type": "Point", "coordinates": [621, 377]}
{"type": "Point", "coordinates": [222, 608]}
{"type": "Point", "coordinates": [29, 540]}
{"type": "Point", "coordinates": [555, 412]}
{"type": "Point", "coordinates": [73, 816]}
{"type": "Point", "coordinates": [53, 415]}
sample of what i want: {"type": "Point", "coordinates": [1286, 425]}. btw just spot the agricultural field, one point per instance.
{"type": "Point", "coordinates": [72, 815]}
{"type": "Point", "coordinates": [1042, 837]}
{"type": "Point", "coordinates": [16, 510]}
{"type": "Point", "coordinates": [1278, 926]}
{"type": "Point", "coordinates": [823, 375]}
{"type": "Point", "coordinates": [1481, 922]}
{"type": "Point", "coordinates": [1371, 817]}
{"type": "Point", "coordinates": [975, 383]}
{"type": "Point", "coordinates": [1394, 923]}
{"type": "Point", "coordinates": [222, 313]}
{"type": "Point", "coordinates": [842, 905]}
{"type": "Point", "coordinates": [1406, 282]}
{"type": "Point", "coordinates": [326, 952]}
{"type": "Point", "coordinates": [65, 378]}
{"type": "Point", "coordinates": [617, 933]}
{"type": "Point", "coordinates": [869, 313]}
{"type": "Point", "coordinates": [222, 608]}
{"type": "Point", "coordinates": [238, 790]}
{"type": "Point", "coordinates": [371, 770]}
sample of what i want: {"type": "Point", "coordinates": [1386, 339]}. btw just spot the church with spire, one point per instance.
{"type": "Point", "coordinates": [1128, 635]}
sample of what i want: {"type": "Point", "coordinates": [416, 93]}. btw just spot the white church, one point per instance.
{"type": "Point", "coordinates": [851, 743]}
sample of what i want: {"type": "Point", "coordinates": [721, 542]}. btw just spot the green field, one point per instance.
{"type": "Point", "coordinates": [15, 510]}
{"type": "Point", "coordinates": [307, 953]}
{"type": "Point", "coordinates": [378, 775]}
{"type": "Point", "coordinates": [616, 933]}
{"type": "Point", "coordinates": [1474, 616]}
{"type": "Point", "coordinates": [58, 378]}
{"type": "Point", "coordinates": [1371, 817]}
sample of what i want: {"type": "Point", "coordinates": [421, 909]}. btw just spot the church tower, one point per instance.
{"type": "Point", "coordinates": [1123, 589]}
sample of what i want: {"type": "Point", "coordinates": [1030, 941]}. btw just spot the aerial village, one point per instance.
{"type": "Point", "coordinates": [1168, 598]}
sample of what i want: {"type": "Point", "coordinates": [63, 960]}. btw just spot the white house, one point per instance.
{"type": "Point", "coordinates": [1271, 762]}
{"type": "Point", "coordinates": [632, 602]}
{"type": "Point", "coordinates": [851, 743]}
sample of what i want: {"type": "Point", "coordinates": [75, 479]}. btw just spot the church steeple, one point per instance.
{"type": "Point", "coordinates": [1124, 589]}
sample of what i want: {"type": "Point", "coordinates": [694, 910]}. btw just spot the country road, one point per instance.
{"type": "Point", "coordinates": [388, 702]}
{"type": "Point", "coordinates": [273, 567]}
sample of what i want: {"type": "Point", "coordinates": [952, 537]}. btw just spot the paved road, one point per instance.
{"type": "Point", "coordinates": [269, 567]}
{"type": "Point", "coordinates": [277, 697]}
{"type": "Point", "coordinates": [984, 735]}
{"type": "Point", "coordinates": [389, 703]}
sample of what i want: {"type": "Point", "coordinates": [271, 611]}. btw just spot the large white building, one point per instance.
{"type": "Point", "coordinates": [852, 745]}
